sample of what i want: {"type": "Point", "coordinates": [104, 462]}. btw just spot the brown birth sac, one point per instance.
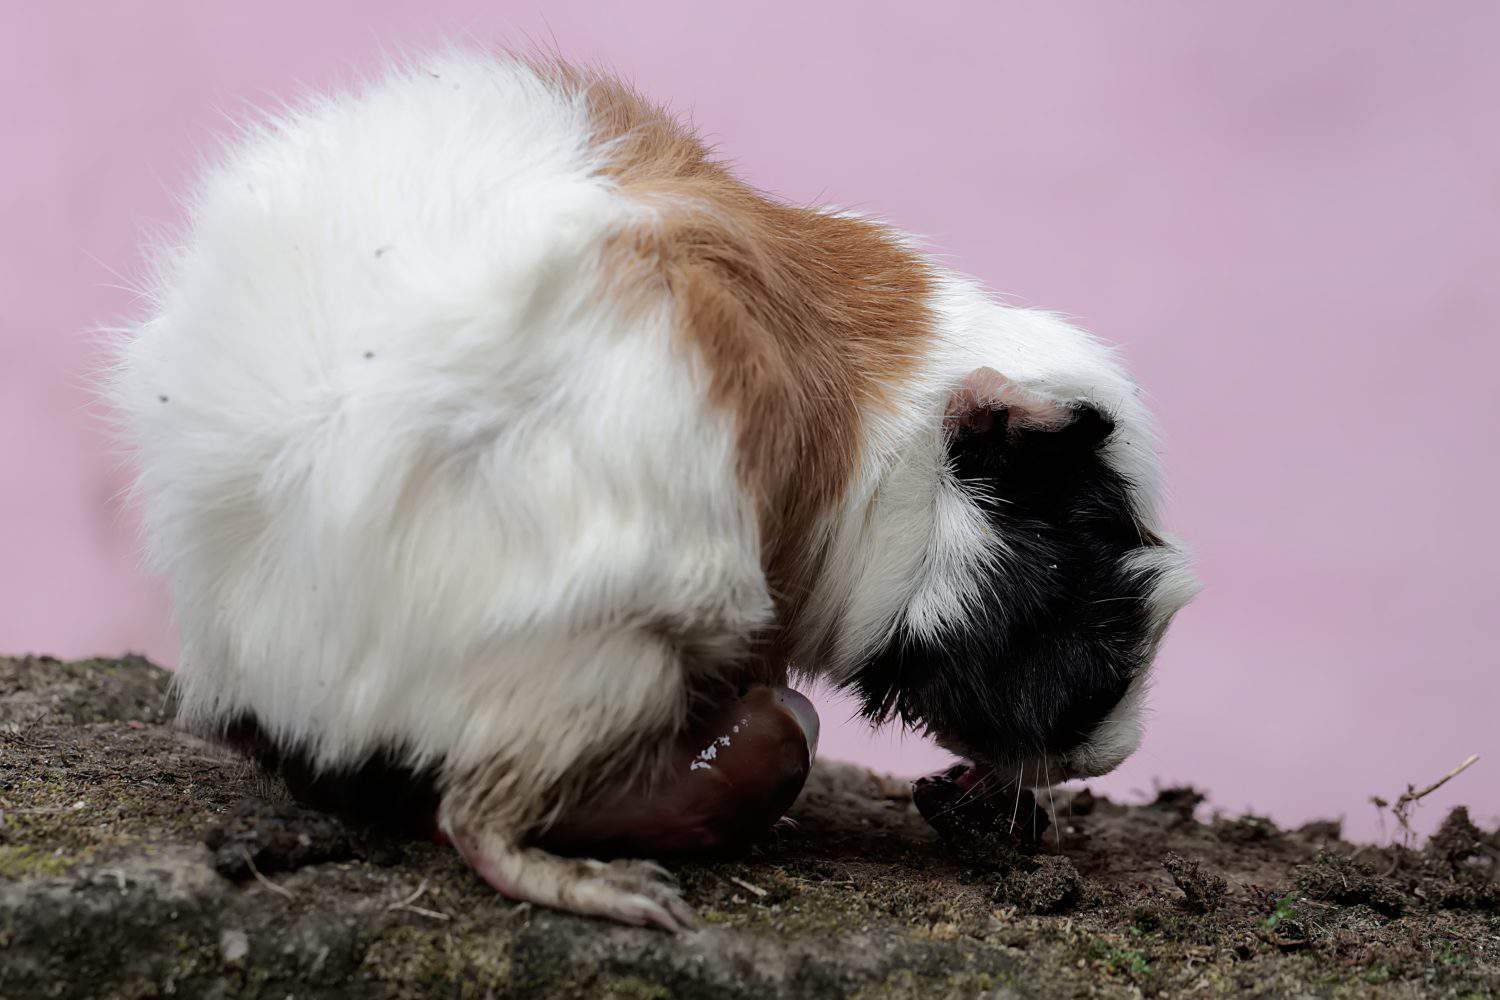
{"type": "Point", "coordinates": [730, 779]}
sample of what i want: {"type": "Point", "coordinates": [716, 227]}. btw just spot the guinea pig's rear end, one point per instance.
{"type": "Point", "coordinates": [427, 470]}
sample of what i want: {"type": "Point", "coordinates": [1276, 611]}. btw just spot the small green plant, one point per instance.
{"type": "Point", "coordinates": [1122, 961]}
{"type": "Point", "coordinates": [1448, 955]}
{"type": "Point", "coordinates": [1285, 907]}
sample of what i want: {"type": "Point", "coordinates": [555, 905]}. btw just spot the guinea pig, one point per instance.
{"type": "Point", "coordinates": [487, 427]}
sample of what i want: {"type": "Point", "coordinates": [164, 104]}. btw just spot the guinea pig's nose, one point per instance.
{"type": "Point", "coordinates": [806, 716]}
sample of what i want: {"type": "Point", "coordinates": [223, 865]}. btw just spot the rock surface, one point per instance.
{"type": "Point", "coordinates": [108, 888]}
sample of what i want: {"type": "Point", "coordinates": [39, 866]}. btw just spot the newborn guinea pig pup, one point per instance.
{"type": "Point", "coordinates": [487, 428]}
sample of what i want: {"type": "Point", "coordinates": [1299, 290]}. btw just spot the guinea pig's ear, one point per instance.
{"type": "Point", "coordinates": [986, 401]}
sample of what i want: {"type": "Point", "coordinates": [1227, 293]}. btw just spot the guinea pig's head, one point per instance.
{"type": "Point", "coordinates": [1044, 588]}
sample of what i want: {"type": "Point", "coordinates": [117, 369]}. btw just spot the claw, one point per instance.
{"type": "Point", "coordinates": [683, 913]}
{"type": "Point", "coordinates": [654, 913]}
{"type": "Point", "coordinates": [652, 868]}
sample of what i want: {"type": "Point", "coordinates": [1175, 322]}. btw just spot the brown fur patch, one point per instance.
{"type": "Point", "coordinates": [804, 320]}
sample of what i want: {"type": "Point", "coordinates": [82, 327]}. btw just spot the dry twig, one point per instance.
{"type": "Point", "coordinates": [1410, 795]}
{"type": "Point", "coordinates": [1401, 809]}
{"type": "Point", "coordinates": [406, 904]}
{"type": "Point", "coordinates": [283, 890]}
{"type": "Point", "coordinates": [746, 885]}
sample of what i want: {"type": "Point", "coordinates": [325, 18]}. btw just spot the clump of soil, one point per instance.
{"type": "Point", "coordinates": [268, 837]}
{"type": "Point", "coordinates": [1336, 878]}
{"type": "Point", "coordinates": [1247, 829]}
{"type": "Point", "coordinates": [107, 889]}
{"type": "Point", "coordinates": [1458, 868]}
{"type": "Point", "coordinates": [1321, 830]}
{"type": "Point", "coordinates": [1181, 801]}
{"type": "Point", "coordinates": [1202, 890]}
{"type": "Point", "coordinates": [1045, 884]}
{"type": "Point", "coordinates": [1457, 840]}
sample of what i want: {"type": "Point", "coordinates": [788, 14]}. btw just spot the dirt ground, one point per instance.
{"type": "Point", "coordinates": [139, 862]}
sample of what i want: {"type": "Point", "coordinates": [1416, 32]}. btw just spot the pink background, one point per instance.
{"type": "Point", "coordinates": [1285, 212]}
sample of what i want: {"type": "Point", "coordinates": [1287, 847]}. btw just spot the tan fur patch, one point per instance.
{"type": "Point", "coordinates": [805, 320]}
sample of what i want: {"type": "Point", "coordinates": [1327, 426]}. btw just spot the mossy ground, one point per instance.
{"type": "Point", "coordinates": [107, 890]}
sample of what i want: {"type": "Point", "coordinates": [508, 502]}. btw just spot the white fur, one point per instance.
{"type": "Point", "coordinates": [418, 478]}
{"type": "Point", "coordinates": [1119, 735]}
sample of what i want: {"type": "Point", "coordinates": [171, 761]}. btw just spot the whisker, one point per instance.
{"type": "Point", "coordinates": [975, 793]}
{"type": "Point", "coordinates": [992, 790]}
{"type": "Point", "coordinates": [1034, 812]}
{"type": "Point", "coordinates": [974, 789]}
{"type": "Point", "coordinates": [1016, 809]}
{"type": "Point", "coordinates": [1051, 802]}
{"type": "Point", "coordinates": [962, 799]}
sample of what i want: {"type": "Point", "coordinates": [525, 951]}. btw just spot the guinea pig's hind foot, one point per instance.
{"type": "Point", "coordinates": [641, 893]}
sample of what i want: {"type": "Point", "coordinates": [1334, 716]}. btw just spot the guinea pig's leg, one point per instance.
{"type": "Point", "coordinates": [592, 711]}
{"type": "Point", "coordinates": [633, 892]}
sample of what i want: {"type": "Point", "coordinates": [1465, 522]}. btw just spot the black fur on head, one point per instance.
{"type": "Point", "coordinates": [1063, 626]}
